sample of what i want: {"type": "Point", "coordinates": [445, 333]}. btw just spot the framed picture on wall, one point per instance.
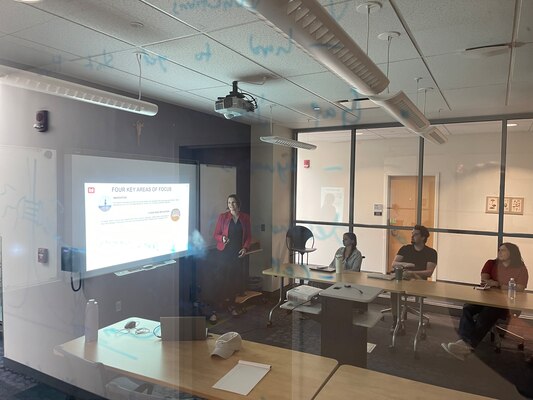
{"type": "Point", "coordinates": [492, 204]}
{"type": "Point", "coordinates": [516, 205]}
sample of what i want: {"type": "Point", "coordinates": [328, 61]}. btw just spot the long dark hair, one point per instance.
{"type": "Point", "coordinates": [353, 238]}
{"type": "Point", "coordinates": [514, 252]}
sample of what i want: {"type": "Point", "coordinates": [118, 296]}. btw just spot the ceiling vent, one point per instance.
{"type": "Point", "coordinates": [313, 29]}
{"type": "Point", "coordinates": [403, 110]}
{"type": "Point", "coordinates": [57, 87]}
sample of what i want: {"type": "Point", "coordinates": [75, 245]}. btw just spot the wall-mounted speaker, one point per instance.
{"type": "Point", "coordinates": [41, 121]}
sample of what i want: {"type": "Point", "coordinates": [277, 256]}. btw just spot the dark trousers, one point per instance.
{"type": "Point", "coordinates": [477, 321]}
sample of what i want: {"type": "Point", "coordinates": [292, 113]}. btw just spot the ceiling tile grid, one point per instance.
{"type": "Point", "coordinates": [208, 15]}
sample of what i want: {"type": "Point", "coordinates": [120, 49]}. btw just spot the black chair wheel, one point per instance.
{"type": "Point", "coordinates": [423, 336]}
{"type": "Point", "coordinates": [521, 347]}
{"type": "Point", "coordinates": [269, 324]}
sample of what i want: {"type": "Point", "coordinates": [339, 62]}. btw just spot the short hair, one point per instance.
{"type": "Point", "coordinates": [514, 253]}
{"type": "Point", "coordinates": [423, 231]}
{"type": "Point", "coordinates": [352, 237]}
{"type": "Point", "coordinates": [237, 200]}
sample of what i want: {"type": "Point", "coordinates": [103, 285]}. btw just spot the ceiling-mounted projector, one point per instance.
{"type": "Point", "coordinates": [235, 103]}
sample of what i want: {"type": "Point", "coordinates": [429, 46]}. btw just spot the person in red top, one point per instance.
{"type": "Point", "coordinates": [233, 237]}
{"type": "Point", "coordinates": [477, 320]}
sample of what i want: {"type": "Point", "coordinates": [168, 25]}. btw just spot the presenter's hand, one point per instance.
{"type": "Point", "coordinates": [242, 252]}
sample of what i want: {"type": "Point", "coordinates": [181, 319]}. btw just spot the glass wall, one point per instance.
{"type": "Point", "coordinates": [323, 177]}
{"type": "Point", "coordinates": [460, 193]}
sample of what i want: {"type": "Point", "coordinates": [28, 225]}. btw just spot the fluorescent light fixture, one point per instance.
{"type": "Point", "coordinates": [363, 103]}
{"type": "Point", "coordinates": [403, 110]}
{"type": "Point", "coordinates": [287, 142]}
{"type": "Point", "coordinates": [57, 87]}
{"type": "Point", "coordinates": [434, 135]}
{"type": "Point", "coordinates": [315, 31]}
{"type": "Point", "coordinates": [511, 124]}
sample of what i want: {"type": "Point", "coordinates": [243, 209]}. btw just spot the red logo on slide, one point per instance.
{"type": "Point", "coordinates": [90, 189]}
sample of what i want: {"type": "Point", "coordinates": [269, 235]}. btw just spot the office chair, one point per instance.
{"type": "Point", "coordinates": [501, 330]}
{"type": "Point", "coordinates": [296, 240]}
{"type": "Point", "coordinates": [403, 316]}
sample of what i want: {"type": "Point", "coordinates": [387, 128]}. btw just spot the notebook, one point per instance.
{"type": "Point", "coordinates": [321, 268]}
{"type": "Point", "coordinates": [183, 328]}
{"type": "Point", "coordinates": [377, 275]}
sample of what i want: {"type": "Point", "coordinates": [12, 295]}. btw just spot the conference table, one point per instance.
{"type": "Point", "coordinates": [349, 382]}
{"type": "Point", "coordinates": [187, 365]}
{"type": "Point", "coordinates": [422, 289]}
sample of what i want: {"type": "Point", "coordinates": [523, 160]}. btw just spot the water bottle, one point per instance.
{"type": "Point", "coordinates": [338, 263]}
{"type": "Point", "coordinates": [91, 321]}
{"type": "Point", "coordinates": [511, 290]}
{"type": "Point", "coordinates": [398, 272]}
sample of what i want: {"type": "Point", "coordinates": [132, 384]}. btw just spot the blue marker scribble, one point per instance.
{"type": "Point", "coordinates": [332, 8]}
{"type": "Point", "coordinates": [204, 55]}
{"type": "Point", "coordinates": [102, 61]}
{"type": "Point", "coordinates": [156, 59]}
{"type": "Point", "coordinates": [209, 5]}
{"type": "Point", "coordinates": [270, 49]}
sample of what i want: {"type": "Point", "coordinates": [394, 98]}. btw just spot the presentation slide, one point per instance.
{"type": "Point", "coordinates": [128, 222]}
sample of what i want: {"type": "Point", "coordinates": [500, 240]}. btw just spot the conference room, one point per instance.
{"type": "Point", "coordinates": [117, 115]}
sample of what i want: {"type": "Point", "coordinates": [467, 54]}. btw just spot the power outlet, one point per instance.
{"type": "Point", "coordinates": [118, 306]}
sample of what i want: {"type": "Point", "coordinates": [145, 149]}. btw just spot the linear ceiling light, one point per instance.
{"type": "Point", "coordinates": [403, 110]}
{"type": "Point", "coordinates": [57, 87]}
{"type": "Point", "coordinates": [287, 142]}
{"type": "Point", "coordinates": [434, 135]}
{"type": "Point", "coordinates": [314, 30]}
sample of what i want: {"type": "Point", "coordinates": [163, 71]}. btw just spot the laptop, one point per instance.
{"type": "Point", "coordinates": [183, 328]}
{"type": "Point", "coordinates": [321, 268]}
{"type": "Point", "coordinates": [378, 275]}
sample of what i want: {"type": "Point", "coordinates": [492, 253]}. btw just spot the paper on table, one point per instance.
{"type": "Point", "coordinates": [243, 377]}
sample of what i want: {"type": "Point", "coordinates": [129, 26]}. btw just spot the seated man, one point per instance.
{"type": "Point", "coordinates": [417, 259]}
{"type": "Point", "coordinates": [477, 320]}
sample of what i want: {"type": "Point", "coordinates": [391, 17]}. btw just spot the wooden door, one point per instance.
{"type": "Point", "coordinates": [401, 208]}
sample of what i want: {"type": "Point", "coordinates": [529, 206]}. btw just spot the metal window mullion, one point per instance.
{"type": "Point", "coordinates": [420, 180]}
{"type": "Point", "coordinates": [503, 165]}
{"type": "Point", "coordinates": [351, 206]}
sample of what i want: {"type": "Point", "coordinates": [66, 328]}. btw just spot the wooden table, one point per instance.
{"type": "Point", "coordinates": [188, 366]}
{"type": "Point", "coordinates": [350, 382]}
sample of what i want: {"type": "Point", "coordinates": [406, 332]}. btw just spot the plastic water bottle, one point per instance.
{"type": "Point", "coordinates": [511, 291]}
{"type": "Point", "coordinates": [91, 321]}
{"type": "Point", "coordinates": [338, 264]}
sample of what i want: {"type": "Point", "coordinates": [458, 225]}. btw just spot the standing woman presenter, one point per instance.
{"type": "Point", "coordinates": [233, 237]}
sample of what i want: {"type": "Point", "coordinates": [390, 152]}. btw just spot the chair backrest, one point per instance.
{"type": "Point", "coordinates": [83, 373]}
{"type": "Point", "coordinates": [297, 237]}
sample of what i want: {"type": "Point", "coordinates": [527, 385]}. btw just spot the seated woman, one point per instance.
{"type": "Point", "coordinates": [477, 320]}
{"type": "Point", "coordinates": [351, 257]}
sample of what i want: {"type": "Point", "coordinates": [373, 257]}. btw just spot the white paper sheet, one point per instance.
{"type": "Point", "coordinates": [243, 377]}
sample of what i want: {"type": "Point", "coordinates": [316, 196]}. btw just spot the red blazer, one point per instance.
{"type": "Point", "coordinates": [223, 226]}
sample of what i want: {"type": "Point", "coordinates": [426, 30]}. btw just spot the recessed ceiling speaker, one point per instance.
{"type": "Point", "coordinates": [41, 121]}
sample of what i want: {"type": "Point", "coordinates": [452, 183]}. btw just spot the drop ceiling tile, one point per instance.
{"type": "Point", "coordinates": [447, 26]}
{"type": "Point", "coordinates": [157, 68]}
{"type": "Point", "coordinates": [525, 27]}
{"type": "Point", "coordinates": [32, 54]}
{"type": "Point", "coordinates": [265, 46]}
{"type": "Point", "coordinates": [114, 18]}
{"type": "Point", "coordinates": [327, 84]}
{"type": "Point", "coordinates": [18, 16]}
{"type": "Point", "coordinates": [523, 64]}
{"type": "Point", "coordinates": [453, 71]}
{"type": "Point", "coordinates": [208, 57]}
{"type": "Point", "coordinates": [207, 15]}
{"type": "Point", "coordinates": [476, 99]}
{"type": "Point", "coordinates": [75, 39]}
{"type": "Point", "coordinates": [521, 96]}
